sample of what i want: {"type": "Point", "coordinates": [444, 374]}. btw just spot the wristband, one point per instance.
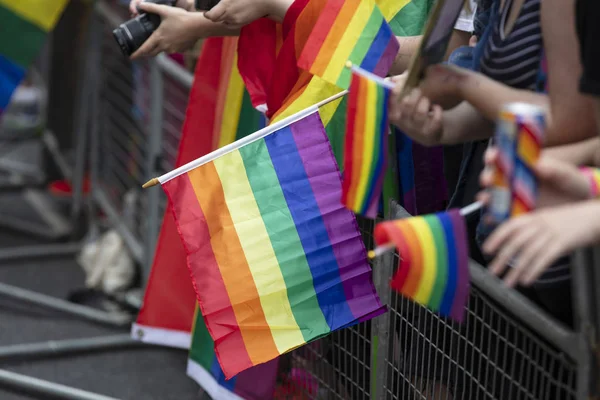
{"type": "Point", "coordinates": [593, 175]}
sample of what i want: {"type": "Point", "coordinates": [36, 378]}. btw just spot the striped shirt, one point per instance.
{"type": "Point", "coordinates": [514, 58]}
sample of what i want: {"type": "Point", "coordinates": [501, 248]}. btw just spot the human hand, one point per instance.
{"type": "Point", "coordinates": [185, 4]}
{"type": "Point", "coordinates": [416, 116]}
{"type": "Point", "coordinates": [237, 13]}
{"type": "Point", "coordinates": [539, 238]}
{"type": "Point", "coordinates": [442, 84]}
{"type": "Point", "coordinates": [558, 181]}
{"type": "Point", "coordinates": [175, 33]}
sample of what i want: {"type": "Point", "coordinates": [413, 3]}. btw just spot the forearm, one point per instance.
{"type": "Point", "coordinates": [409, 45]}
{"type": "Point", "coordinates": [204, 28]}
{"type": "Point", "coordinates": [489, 96]}
{"type": "Point", "coordinates": [585, 152]}
{"type": "Point", "coordinates": [564, 71]}
{"type": "Point", "coordinates": [464, 123]}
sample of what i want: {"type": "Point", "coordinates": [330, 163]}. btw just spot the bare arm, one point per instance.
{"type": "Point", "coordinates": [564, 70]}
{"type": "Point", "coordinates": [464, 123]}
{"type": "Point", "coordinates": [586, 152]}
{"type": "Point", "coordinates": [409, 45]}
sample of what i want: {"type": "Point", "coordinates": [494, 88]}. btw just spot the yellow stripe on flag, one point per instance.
{"type": "Point", "coordinates": [316, 90]}
{"type": "Point", "coordinates": [367, 150]}
{"type": "Point", "coordinates": [43, 13]}
{"type": "Point", "coordinates": [233, 106]}
{"type": "Point", "coordinates": [429, 272]}
{"type": "Point", "coordinates": [390, 8]}
{"type": "Point", "coordinates": [355, 28]}
{"type": "Point", "coordinates": [259, 252]}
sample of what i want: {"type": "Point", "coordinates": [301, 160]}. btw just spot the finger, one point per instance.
{"type": "Point", "coordinates": [484, 197]}
{"type": "Point", "coordinates": [410, 102]}
{"type": "Point", "coordinates": [422, 109]}
{"type": "Point", "coordinates": [486, 178]}
{"type": "Point", "coordinates": [145, 48]}
{"type": "Point", "coordinates": [433, 125]}
{"type": "Point", "coordinates": [217, 13]}
{"type": "Point", "coordinates": [511, 248]}
{"type": "Point", "coordinates": [502, 233]}
{"type": "Point", "coordinates": [152, 8]}
{"type": "Point", "coordinates": [491, 156]}
{"type": "Point", "coordinates": [527, 257]}
{"type": "Point", "coordinates": [133, 7]}
{"type": "Point", "coordinates": [553, 250]}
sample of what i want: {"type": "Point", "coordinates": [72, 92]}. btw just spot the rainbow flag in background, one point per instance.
{"type": "Point", "coordinates": [365, 158]}
{"type": "Point", "coordinates": [434, 260]}
{"type": "Point", "coordinates": [353, 30]}
{"type": "Point", "coordinates": [23, 30]}
{"type": "Point", "coordinates": [275, 258]}
{"type": "Point", "coordinates": [256, 383]}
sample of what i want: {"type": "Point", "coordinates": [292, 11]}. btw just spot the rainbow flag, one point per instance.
{"type": "Point", "coordinates": [434, 262]}
{"type": "Point", "coordinates": [256, 383]}
{"type": "Point", "coordinates": [528, 148]}
{"type": "Point", "coordinates": [276, 260]}
{"type": "Point", "coordinates": [365, 158]}
{"type": "Point", "coordinates": [23, 29]}
{"type": "Point", "coordinates": [353, 30]}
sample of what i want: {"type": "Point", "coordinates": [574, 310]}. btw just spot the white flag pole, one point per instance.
{"type": "Point", "coordinates": [242, 142]}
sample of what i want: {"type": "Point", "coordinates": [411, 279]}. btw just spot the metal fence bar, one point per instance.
{"type": "Point", "coordinates": [28, 296]}
{"type": "Point", "coordinates": [530, 314]}
{"type": "Point", "coordinates": [67, 346]}
{"type": "Point", "coordinates": [153, 158]}
{"type": "Point", "coordinates": [46, 388]}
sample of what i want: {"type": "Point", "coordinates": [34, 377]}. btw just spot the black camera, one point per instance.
{"type": "Point", "coordinates": [132, 34]}
{"type": "Point", "coordinates": [205, 5]}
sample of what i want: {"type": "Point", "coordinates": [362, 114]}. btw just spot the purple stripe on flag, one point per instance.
{"type": "Point", "coordinates": [258, 382]}
{"type": "Point", "coordinates": [461, 296]}
{"type": "Point", "coordinates": [348, 247]}
{"type": "Point", "coordinates": [387, 58]}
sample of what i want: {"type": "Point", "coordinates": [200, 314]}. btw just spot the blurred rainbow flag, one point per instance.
{"type": "Point", "coordinates": [434, 260]}
{"type": "Point", "coordinates": [23, 30]}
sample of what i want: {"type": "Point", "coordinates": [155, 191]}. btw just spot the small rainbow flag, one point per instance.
{"type": "Point", "coordinates": [276, 260]}
{"type": "Point", "coordinates": [528, 148]}
{"type": "Point", "coordinates": [434, 264]}
{"type": "Point", "coordinates": [23, 30]}
{"type": "Point", "coordinates": [353, 30]}
{"type": "Point", "coordinates": [365, 148]}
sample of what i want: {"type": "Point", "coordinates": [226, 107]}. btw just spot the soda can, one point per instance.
{"type": "Point", "coordinates": [518, 138]}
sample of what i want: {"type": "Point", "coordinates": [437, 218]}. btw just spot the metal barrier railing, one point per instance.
{"type": "Point", "coordinates": [508, 348]}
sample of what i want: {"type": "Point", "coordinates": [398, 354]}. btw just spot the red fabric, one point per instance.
{"type": "Point", "coordinates": [270, 73]}
{"type": "Point", "coordinates": [170, 300]}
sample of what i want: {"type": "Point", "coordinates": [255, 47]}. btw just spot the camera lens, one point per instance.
{"type": "Point", "coordinates": [132, 34]}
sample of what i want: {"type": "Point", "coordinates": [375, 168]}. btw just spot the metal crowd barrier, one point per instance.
{"type": "Point", "coordinates": [508, 348]}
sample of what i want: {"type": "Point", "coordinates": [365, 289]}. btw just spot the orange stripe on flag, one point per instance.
{"type": "Point", "coordinates": [358, 141]}
{"type": "Point", "coordinates": [233, 265]}
{"type": "Point", "coordinates": [338, 29]}
{"type": "Point", "coordinates": [416, 259]}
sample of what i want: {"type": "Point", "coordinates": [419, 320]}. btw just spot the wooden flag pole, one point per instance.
{"type": "Point", "coordinates": [387, 247]}
{"type": "Point", "coordinates": [242, 142]}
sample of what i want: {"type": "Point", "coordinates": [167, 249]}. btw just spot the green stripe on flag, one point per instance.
{"type": "Point", "coordinates": [284, 239]}
{"type": "Point", "coordinates": [336, 130]}
{"type": "Point", "coordinates": [362, 46]}
{"type": "Point", "coordinates": [411, 19]}
{"type": "Point", "coordinates": [20, 41]}
{"type": "Point", "coordinates": [441, 251]}
{"type": "Point", "coordinates": [202, 348]}
{"type": "Point", "coordinates": [250, 118]}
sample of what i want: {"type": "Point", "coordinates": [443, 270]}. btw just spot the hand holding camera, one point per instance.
{"type": "Point", "coordinates": [159, 26]}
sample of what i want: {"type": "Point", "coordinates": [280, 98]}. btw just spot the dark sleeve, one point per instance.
{"type": "Point", "coordinates": [588, 30]}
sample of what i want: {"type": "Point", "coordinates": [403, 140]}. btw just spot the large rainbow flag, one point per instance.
{"type": "Point", "coordinates": [24, 25]}
{"type": "Point", "coordinates": [276, 260]}
{"type": "Point", "coordinates": [434, 260]}
{"type": "Point", "coordinates": [348, 30]}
